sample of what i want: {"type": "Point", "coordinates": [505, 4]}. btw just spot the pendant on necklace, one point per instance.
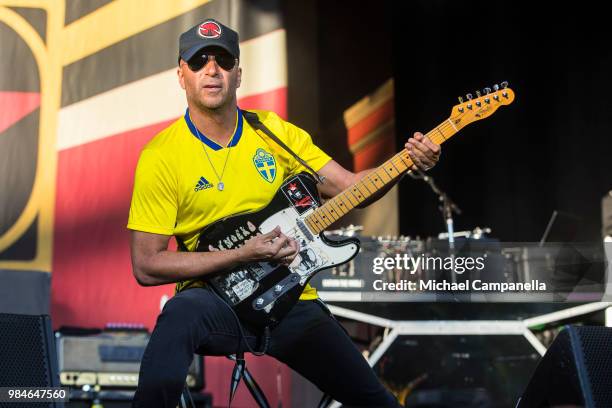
{"type": "Point", "coordinates": [220, 186]}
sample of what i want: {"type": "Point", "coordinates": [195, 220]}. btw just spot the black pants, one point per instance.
{"type": "Point", "coordinates": [308, 340]}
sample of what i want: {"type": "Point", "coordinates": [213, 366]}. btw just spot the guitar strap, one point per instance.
{"type": "Point", "coordinates": [253, 120]}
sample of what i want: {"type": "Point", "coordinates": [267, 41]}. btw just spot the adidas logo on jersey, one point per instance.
{"type": "Point", "coordinates": [203, 184]}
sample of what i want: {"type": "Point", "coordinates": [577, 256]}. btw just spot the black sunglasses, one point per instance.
{"type": "Point", "coordinates": [224, 59]}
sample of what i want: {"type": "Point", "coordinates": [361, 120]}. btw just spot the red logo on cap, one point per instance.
{"type": "Point", "coordinates": [209, 29]}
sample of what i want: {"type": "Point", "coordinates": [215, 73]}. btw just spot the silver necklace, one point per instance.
{"type": "Point", "coordinates": [220, 184]}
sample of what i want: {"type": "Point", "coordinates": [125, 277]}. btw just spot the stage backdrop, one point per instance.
{"type": "Point", "coordinates": [370, 125]}
{"type": "Point", "coordinates": [83, 86]}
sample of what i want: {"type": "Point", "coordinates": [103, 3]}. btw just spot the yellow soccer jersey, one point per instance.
{"type": "Point", "coordinates": [176, 189]}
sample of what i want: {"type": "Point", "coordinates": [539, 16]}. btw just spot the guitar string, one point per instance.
{"type": "Point", "coordinates": [443, 126]}
{"type": "Point", "coordinates": [290, 232]}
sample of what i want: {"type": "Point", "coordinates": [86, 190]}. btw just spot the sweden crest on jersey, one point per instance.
{"type": "Point", "coordinates": [265, 164]}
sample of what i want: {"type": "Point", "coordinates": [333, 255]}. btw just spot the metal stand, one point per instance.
{"type": "Point", "coordinates": [447, 208]}
{"type": "Point", "coordinates": [186, 401]}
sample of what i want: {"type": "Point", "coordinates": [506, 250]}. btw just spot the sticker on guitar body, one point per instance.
{"type": "Point", "coordinates": [299, 197]}
{"type": "Point", "coordinates": [308, 259]}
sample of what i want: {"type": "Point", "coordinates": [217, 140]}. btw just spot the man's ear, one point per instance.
{"type": "Point", "coordinates": [181, 77]}
{"type": "Point", "coordinates": [239, 77]}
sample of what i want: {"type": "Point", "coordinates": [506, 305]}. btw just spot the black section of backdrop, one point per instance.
{"type": "Point", "coordinates": [551, 149]}
{"type": "Point", "coordinates": [76, 9]}
{"type": "Point", "coordinates": [36, 17]}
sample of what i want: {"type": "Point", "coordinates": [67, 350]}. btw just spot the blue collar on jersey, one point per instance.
{"type": "Point", "coordinates": [211, 143]}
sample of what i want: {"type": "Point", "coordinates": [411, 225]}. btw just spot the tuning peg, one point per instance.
{"type": "Point", "coordinates": [478, 94]}
{"type": "Point", "coordinates": [460, 99]}
{"type": "Point", "coordinates": [487, 91]}
{"type": "Point", "coordinates": [496, 87]}
{"type": "Point", "coordinates": [504, 84]}
{"type": "Point", "coordinates": [469, 97]}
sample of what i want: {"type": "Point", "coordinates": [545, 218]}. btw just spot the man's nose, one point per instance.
{"type": "Point", "coordinates": [211, 68]}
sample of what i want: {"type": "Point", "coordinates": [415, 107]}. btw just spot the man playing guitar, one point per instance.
{"type": "Point", "coordinates": [212, 164]}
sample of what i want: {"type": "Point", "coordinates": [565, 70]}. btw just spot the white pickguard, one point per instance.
{"type": "Point", "coordinates": [314, 254]}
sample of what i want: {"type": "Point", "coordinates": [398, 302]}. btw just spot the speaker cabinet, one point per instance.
{"type": "Point", "coordinates": [27, 354]}
{"type": "Point", "coordinates": [576, 370]}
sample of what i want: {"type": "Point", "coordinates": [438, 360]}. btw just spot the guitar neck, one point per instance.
{"type": "Point", "coordinates": [340, 205]}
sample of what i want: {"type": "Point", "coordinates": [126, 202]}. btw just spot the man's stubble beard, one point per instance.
{"type": "Point", "coordinates": [202, 105]}
{"type": "Point", "coordinates": [212, 108]}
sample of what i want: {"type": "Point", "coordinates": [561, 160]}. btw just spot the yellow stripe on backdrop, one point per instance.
{"type": "Point", "coordinates": [111, 112]}
{"type": "Point", "coordinates": [41, 201]}
{"type": "Point", "coordinates": [125, 18]}
{"type": "Point", "coordinates": [64, 45]}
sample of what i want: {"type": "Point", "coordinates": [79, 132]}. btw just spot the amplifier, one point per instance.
{"type": "Point", "coordinates": [110, 359]}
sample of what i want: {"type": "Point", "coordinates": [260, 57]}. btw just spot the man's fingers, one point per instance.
{"type": "Point", "coordinates": [424, 153]}
{"type": "Point", "coordinates": [288, 253]}
{"type": "Point", "coordinates": [272, 234]}
{"type": "Point", "coordinates": [278, 244]}
{"type": "Point", "coordinates": [415, 154]}
{"type": "Point", "coordinates": [436, 149]}
{"type": "Point", "coordinates": [273, 246]}
{"type": "Point", "coordinates": [416, 160]}
{"type": "Point", "coordinates": [423, 148]}
{"type": "Point", "coordinates": [295, 245]}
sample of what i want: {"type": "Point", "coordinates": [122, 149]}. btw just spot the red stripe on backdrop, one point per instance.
{"type": "Point", "coordinates": [92, 283]}
{"type": "Point", "coordinates": [374, 153]}
{"type": "Point", "coordinates": [16, 105]}
{"type": "Point", "coordinates": [275, 101]}
{"type": "Point", "coordinates": [373, 120]}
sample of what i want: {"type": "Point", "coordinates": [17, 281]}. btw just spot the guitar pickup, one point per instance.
{"type": "Point", "coordinates": [304, 230]}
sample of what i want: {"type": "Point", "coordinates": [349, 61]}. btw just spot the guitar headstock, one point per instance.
{"type": "Point", "coordinates": [481, 107]}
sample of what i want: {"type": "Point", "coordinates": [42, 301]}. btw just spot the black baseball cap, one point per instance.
{"type": "Point", "coordinates": [208, 33]}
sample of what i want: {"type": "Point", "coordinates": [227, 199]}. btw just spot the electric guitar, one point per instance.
{"type": "Point", "coordinates": [262, 293]}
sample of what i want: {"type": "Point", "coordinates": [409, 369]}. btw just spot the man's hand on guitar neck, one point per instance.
{"type": "Point", "coordinates": [422, 151]}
